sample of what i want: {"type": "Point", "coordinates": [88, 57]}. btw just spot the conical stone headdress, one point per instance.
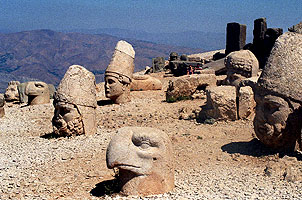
{"type": "Point", "coordinates": [77, 87]}
{"type": "Point", "coordinates": [283, 71]}
{"type": "Point", "coordinates": [122, 62]}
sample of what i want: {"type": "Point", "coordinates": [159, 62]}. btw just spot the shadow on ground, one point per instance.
{"type": "Point", "coordinates": [104, 102]}
{"type": "Point", "coordinates": [51, 135]}
{"type": "Point", "coordinates": [256, 149]}
{"type": "Point", "coordinates": [108, 187]}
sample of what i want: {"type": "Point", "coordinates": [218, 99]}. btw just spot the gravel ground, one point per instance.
{"type": "Point", "coordinates": [219, 161]}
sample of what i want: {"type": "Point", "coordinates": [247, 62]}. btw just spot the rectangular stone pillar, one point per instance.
{"type": "Point", "coordinates": [236, 37]}
{"type": "Point", "coordinates": [260, 28]}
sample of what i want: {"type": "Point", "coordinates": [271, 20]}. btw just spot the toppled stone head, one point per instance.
{"type": "Point", "coordinates": [279, 94]}
{"type": "Point", "coordinates": [37, 92]}
{"type": "Point", "coordinates": [144, 159]}
{"type": "Point", "coordinates": [118, 74]}
{"type": "Point", "coordinates": [240, 65]}
{"type": "Point", "coordinates": [75, 103]}
{"type": "Point", "coordinates": [11, 92]}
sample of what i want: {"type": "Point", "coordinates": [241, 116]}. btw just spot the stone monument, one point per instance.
{"type": "Point", "coordinates": [75, 103]}
{"type": "Point", "coordinates": [11, 92]}
{"type": "Point", "coordinates": [240, 65]}
{"type": "Point", "coordinates": [279, 95]}
{"type": "Point", "coordinates": [119, 72]}
{"type": "Point", "coordinates": [144, 158]}
{"type": "Point", "coordinates": [37, 92]}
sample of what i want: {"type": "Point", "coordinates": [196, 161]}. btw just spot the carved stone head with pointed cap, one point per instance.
{"type": "Point", "coordinates": [75, 103]}
{"type": "Point", "coordinates": [279, 94]}
{"type": "Point", "coordinates": [118, 74]}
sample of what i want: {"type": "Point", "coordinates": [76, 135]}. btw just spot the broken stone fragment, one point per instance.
{"type": "Point", "coordinates": [246, 103]}
{"type": "Point", "coordinates": [145, 82]}
{"type": "Point", "coordinates": [185, 86]}
{"type": "Point", "coordinates": [221, 103]}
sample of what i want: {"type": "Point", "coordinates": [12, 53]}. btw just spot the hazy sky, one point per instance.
{"type": "Point", "coordinates": [150, 16]}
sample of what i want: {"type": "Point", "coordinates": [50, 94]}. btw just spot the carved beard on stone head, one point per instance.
{"type": "Point", "coordinates": [67, 120]}
{"type": "Point", "coordinates": [276, 122]}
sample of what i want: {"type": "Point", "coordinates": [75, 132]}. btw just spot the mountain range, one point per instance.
{"type": "Point", "coordinates": [193, 39]}
{"type": "Point", "coordinates": [46, 55]}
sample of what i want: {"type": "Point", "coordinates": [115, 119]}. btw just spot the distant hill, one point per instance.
{"type": "Point", "coordinates": [193, 39]}
{"type": "Point", "coordinates": [46, 55]}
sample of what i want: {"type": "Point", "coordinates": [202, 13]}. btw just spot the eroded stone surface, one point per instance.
{"type": "Point", "coordinates": [11, 92]}
{"type": "Point", "coordinates": [283, 70]}
{"type": "Point", "coordinates": [241, 64]}
{"type": "Point", "coordinates": [185, 86]}
{"type": "Point", "coordinates": [119, 72]}
{"type": "Point", "coordinates": [279, 94]}
{"type": "Point", "coordinates": [75, 103]}
{"type": "Point", "coordinates": [145, 82]}
{"type": "Point", "coordinates": [2, 103]}
{"type": "Point", "coordinates": [246, 103]}
{"type": "Point", "coordinates": [144, 158]}
{"type": "Point", "coordinates": [221, 103]}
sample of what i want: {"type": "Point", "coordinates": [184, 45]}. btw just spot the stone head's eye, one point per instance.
{"type": "Point", "coordinates": [111, 81]}
{"type": "Point", "coordinates": [38, 85]}
{"type": "Point", "coordinates": [271, 106]}
{"type": "Point", "coordinates": [145, 145]}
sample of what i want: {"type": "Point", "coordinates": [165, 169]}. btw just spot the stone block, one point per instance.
{"type": "Point", "coordinates": [185, 86]}
{"type": "Point", "coordinates": [145, 82]}
{"type": "Point", "coordinates": [221, 103]}
{"type": "Point", "coordinates": [246, 103]}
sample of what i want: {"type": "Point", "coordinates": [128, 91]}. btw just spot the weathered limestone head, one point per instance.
{"type": "Point", "coordinates": [75, 103]}
{"type": "Point", "coordinates": [2, 103]}
{"type": "Point", "coordinates": [118, 74]}
{"type": "Point", "coordinates": [279, 94]}
{"type": "Point", "coordinates": [144, 158]}
{"type": "Point", "coordinates": [37, 92]}
{"type": "Point", "coordinates": [11, 92]}
{"type": "Point", "coordinates": [240, 65]}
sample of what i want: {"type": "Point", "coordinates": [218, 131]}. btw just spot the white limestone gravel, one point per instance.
{"type": "Point", "coordinates": [212, 161]}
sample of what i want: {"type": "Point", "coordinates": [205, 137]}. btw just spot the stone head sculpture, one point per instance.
{"type": "Point", "coordinates": [37, 92]}
{"type": "Point", "coordinates": [278, 94]}
{"type": "Point", "coordinates": [240, 65]}
{"type": "Point", "coordinates": [75, 103]}
{"type": "Point", "coordinates": [173, 56]}
{"type": "Point", "coordinates": [118, 74]}
{"type": "Point", "coordinates": [144, 158]}
{"type": "Point", "coordinates": [11, 92]}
